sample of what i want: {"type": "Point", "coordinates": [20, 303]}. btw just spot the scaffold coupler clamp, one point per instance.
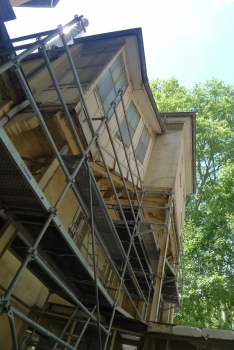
{"type": "Point", "coordinates": [72, 182]}
{"type": "Point", "coordinates": [53, 211]}
{"type": "Point", "coordinates": [4, 304]}
{"type": "Point", "coordinates": [120, 92]}
{"type": "Point", "coordinates": [42, 47]}
{"type": "Point", "coordinates": [16, 62]}
{"type": "Point", "coordinates": [113, 104]}
{"type": "Point", "coordinates": [33, 252]}
{"type": "Point", "coordinates": [78, 18]}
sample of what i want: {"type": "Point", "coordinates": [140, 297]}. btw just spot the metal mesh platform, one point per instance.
{"type": "Point", "coordinates": [27, 207]}
{"type": "Point", "coordinates": [169, 287]}
{"type": "Point", "coordinates": [150, 245]}
{"type": "Point", "coordinates": [15, 192]}
{"type": "Point", "coordinates": [102, 220]}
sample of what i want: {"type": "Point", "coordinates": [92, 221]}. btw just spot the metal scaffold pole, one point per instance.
{"type": "Point", "coordinates": [161, 265]}
{"type": "Point", "coordinates": [66, 326]}
{"type": "Point", "coordinates": [13, 331]}
{"type": "Point", "coordinates": [94, 261]}
{"type": "Point", "coordinates": [38, 320]}
{"type": "Point", "coordinates": [133, 150]}
{"type": "Point", "coordinates": [125, 152]}
{"type": "Point", "coordinates": [40, 329]}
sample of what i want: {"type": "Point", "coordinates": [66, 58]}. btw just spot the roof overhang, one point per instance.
{"type": "Point", "coordinates": [35, 3]}
{"type": "Point", "coordinates": [6, 11]}
{"type": "Point", "coordinates": [189, 121]}
{"type": "Point", "coordinates": [137, 67]}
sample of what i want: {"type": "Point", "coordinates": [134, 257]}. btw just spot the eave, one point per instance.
{"type": "Point", "coordinates": [135, 51]}
{"type": "Point", "coordinates": [190, 140]}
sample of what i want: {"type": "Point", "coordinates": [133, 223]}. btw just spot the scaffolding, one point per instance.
{"type": "Point", "coordinates": [27, 207]}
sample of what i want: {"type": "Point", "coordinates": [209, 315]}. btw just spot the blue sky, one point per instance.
{"type": "Point", "coordinates": [189, 39]}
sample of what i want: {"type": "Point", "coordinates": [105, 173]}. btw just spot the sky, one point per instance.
{"type": "Point", "coordinates": [191, 40]}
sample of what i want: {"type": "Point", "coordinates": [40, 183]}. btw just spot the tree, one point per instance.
{"type": "Point", "coordinates": [208, 299]}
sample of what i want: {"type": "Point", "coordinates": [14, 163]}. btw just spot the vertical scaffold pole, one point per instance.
{"type": "Point", "coordinates": [13, 331]}
{"type": "Point", "coordinates": [161, 264]}
{"type": "Point", "coordinates": [84, 329]}
{"type": "Point", "coordinates": [28, 258]}
{"type": "Point", "coordinates": [38, 320]}
{"type": "Point", "coordinates": [66, 326]}
{"type": "Point", "coordinates": [133, 150]}
{"type": "Point", "coordinates": [94, 259]}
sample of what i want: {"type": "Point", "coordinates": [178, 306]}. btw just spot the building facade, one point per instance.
{"type": "Point", "coordinates": [93, 186]}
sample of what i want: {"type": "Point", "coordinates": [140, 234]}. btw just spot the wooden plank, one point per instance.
{"type": "Point", "coordinates": [116, 179]}
{"type": "Point", "coordinates": [61, 119]}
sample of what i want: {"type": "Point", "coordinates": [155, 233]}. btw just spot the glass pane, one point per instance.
{"type": "Point", "coordinates": [114, 79]}
{"type": "Point", "coordinates": [125, 80]}
{"type": "Point", "coordinates": [105, 76]}
{"type": "Point", "coordinates": [126, 138]}
{"type": "Point", "coordinates": [124, 131]}
{"type": "Point", "coordinates": [123, 126]}
{"type": "Point", "coordinates": [140, 152]}
{"type": "Point", "coordinates": [105, 89]}
{"type": "Point", "coordinates": [118, 61]}
{"type": "Point", "coordinates": [143, 144]}
{"type": "Point", "coordinates": [143, 134]}
{"type": "Point", "coordinates": [121, 83]}
{"type": "Point", "coordinates": [131, 110]}
{"type": "Point", "coordinates": [147, 139]}
{"type": "Point", "coordinates": [116, 73]}
{"type": "Point", "coordinates": [137, 150]}
{"type": "Point", "coordinates": [109, 99]}
{"type": "Point", "coordinates": [133, 118]}
{"type": "Point", "coordinates": [134, 121]}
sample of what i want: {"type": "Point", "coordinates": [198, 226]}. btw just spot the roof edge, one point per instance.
{"type": "Point", "coordinates": [124, 33]}
{"type": "Point", "coordinates": [193, 116]}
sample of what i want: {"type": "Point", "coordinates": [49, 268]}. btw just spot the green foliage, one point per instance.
{"type": "Point", "coordinates": [208, 299]}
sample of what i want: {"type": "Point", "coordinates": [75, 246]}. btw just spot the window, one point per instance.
{"type": "Point", "coordinates": [113, 80]}
{"type": "Point", "coordinates": [143, 144]}
{"type": "Point", "coordinates": [133, 118]}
